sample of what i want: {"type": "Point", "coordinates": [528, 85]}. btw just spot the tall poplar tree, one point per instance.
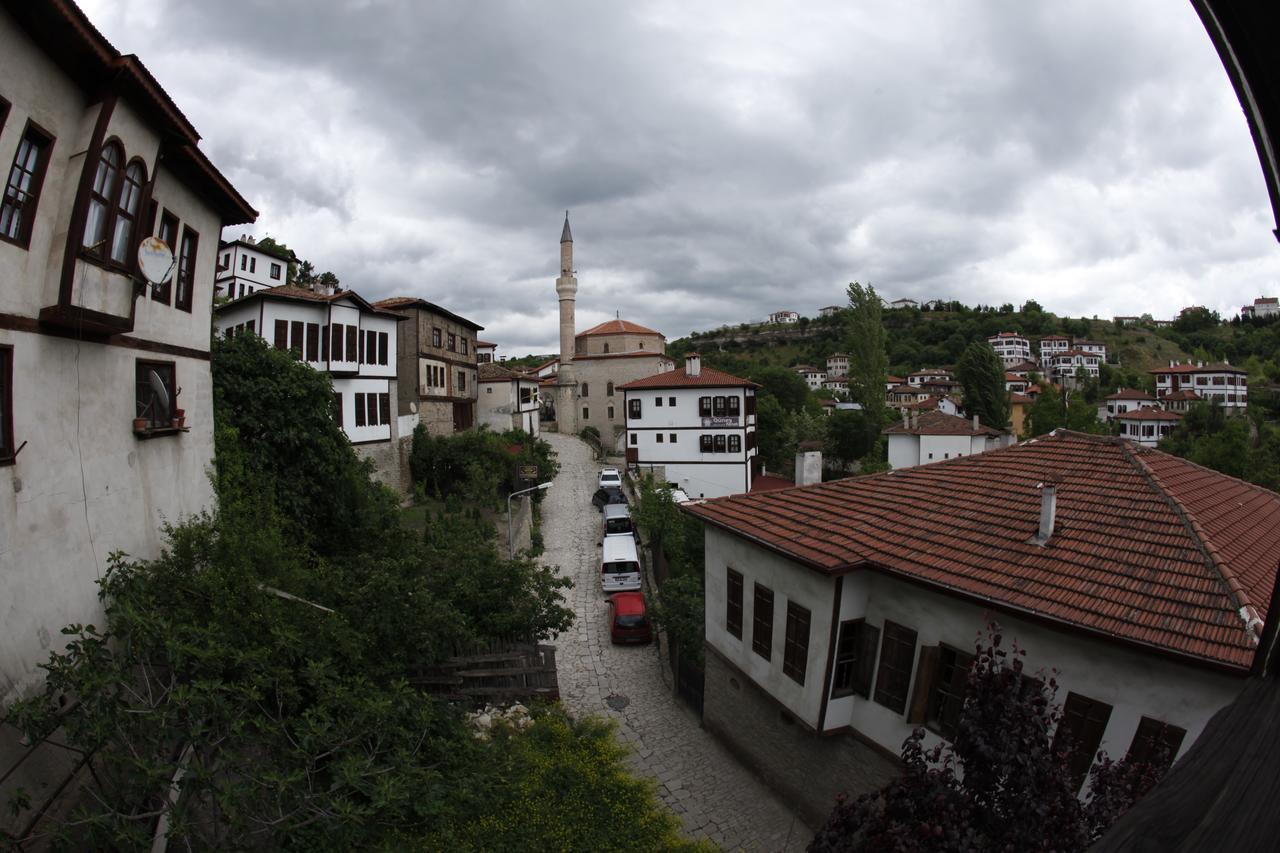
{"type": "Point", "coordinates": [981, 373]}
{"type": "Point", "coordinates": [868, 358]}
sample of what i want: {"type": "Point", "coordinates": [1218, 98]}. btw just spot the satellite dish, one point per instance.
{"type": "Point", "coordinates": [413, 407]}
{"type": "Point", "coordinates": [161, 396]}
{"type": "Point", "coordinates": [156, 260]}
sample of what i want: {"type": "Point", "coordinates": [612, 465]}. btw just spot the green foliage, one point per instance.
{"type": "Point", "coordinates": [560, 785]}
{"type": "Point", "coordinates": [1244, 447]}
{"type": "Point", "coordinates": [680, 602]}
{"type": "Point", "coordinates": [981, 373]}
{"type": "Point", "coordinates": [865, 343]}
{"type": "Point", "coordinates": [1196, 319]}
{"type": "Point", "coordinates": [478, 465]}
{"type": "Point", "coordinates": [782, 384]}
{"type": "Point", "coordinates": [272, 246]}
{"type": "Point", "coordinates": [771, 420]}
{"type": "Point", "coordinates": [851, 435]}
{"type": "Point", "coordinates": [679, 608]}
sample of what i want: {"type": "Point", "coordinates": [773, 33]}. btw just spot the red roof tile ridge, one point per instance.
{"type": "Point", "coordinates": [1213, 559]}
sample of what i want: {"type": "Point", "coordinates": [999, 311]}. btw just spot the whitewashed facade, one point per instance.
{"type": "Point", "coordinates": [784, 317]}
{"type": "Point", "coordinates": [507, 399]}
{"type": "Point", "coordinates": [812, 376]}
{"type": "Point", "coordinates": [244, 267]}
{"type": "Point", "coordinates": [1012, 347]}
{"type": "Point", "coordinates": [936, 436]}
{"type": "Point", "coordinates": [838, 364]}
{"type": "Point", "coordinates": [1224, 384]}
{"type": "Point", "coordinates": [1147, 425]}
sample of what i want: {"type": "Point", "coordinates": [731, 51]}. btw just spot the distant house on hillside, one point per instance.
{"type": "Point", "coordinates": [1221, 383]}
{"type": "Point", "coordinates": [1262, 308]}
{"type": "Point", "coordinates": [244, 266]}
{"type": "Point", "coordinates": [812, 376]}
{"type": "Point", "coordinates": [934, 436]}
{"type": "Point", "coordinates": [1124, 400]}
{"type": "Point", "coordinates": [851, 607]}
{"type": "Point", "coordinates": [1012, 347]}
{"type": "Point", "coordinates": [903, 303]}
{"type": "Point", "coordinates": [784, 317]}
{"type": "Point", "coordinates": [829, 311]}
{"type": "Point", "coordinates": [1052, 345]}
{"type": "Point", "coordinates": [485, 352]}
{"type": "Point", "coordinates": [1146, 425]}
{"type": "Point", "coordinates": [838, 364]}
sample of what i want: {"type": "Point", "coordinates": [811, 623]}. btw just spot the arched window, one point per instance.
{"type": "Point", "coordinates": [609, 389]}
{"type": "Point", "coordinates": [584, 389]}
{"type": "Point", "coordinates": [606, 346]}
{"type": "Point", "coordinates": [102, 198]}
{"type": "Point", "coordinates": [127, 211]}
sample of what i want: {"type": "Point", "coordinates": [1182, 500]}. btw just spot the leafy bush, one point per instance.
{"type": "Point", "coordinates": [477, 464]}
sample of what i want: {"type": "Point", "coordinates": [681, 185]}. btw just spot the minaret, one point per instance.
{"type": "Point", "coordinates": [566, 378]}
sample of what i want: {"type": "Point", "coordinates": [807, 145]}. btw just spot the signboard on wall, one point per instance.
{"type": "Point", "coordinates": [724, 421]}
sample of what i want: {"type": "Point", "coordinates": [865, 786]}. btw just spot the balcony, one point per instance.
{"type": "Point", "coordinates": [101, 301]}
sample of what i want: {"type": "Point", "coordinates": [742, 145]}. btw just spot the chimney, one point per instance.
{"type": "Point", "coordinates": [915, 420]}
{"type": "Point", "coordinates": [1048, 512]}
{"type": "Point", "coordinates": [906, 420]}
{"type": "Point", "coordinates": [975, 423]}
{"type": "Point", "coordinates": [809, 463]}
{"type": "Point", "coordinates": [692, 364]}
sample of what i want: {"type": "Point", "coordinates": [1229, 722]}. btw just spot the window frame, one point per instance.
{"type": "Point", "coordinates": [1083, 724]}
{"type": "Point", "coordinates": [8, 446]}
{"type": "Point", "coordinates": [167, 369]}
{"type": "Point", "coordinates": [26, 224]}
{"type": "Point", "coordinates": [762, 602]}
{"type": "Point", "coordinates": [634, 408]}
{"type": "Point", "coordinates": [893, 681]}
{"type": "Point", "coordinates": [735, 444]}
{"type": "Point", "coordinates": [437, 337]}
{"type": "Point", "coordinates": [1151, 732]}
{"type": "Point", "coordinates": [795, 650]}
{"type": "Point", "coordinates": [947, 694]}
{"type": "Point", "coordinates": [704, 407]}
{"type": "Point", "coordinates": [184, 274]}
{"type": "Point", "coordinates": [132, 190]}
{"type": "Point", "coordinates": [733, 602]}
{"type": "Point", "coordinates": [276, 271]}
{"type": "Point", "coordinates": [171, 225]}
{"type": "Point", "coordinates": [95, 246]}
{"type": "Point", "coordinates": [706, 443]}
{"type": "Point", "coordinates": [855, 665]}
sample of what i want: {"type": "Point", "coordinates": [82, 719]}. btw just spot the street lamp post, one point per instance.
{"type": "Point", "coordinates": [511, 543]}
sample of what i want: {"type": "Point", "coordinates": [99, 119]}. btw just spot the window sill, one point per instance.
{"type": "Point", "coordinates": [23, 244]}
{"type": "Point", "coordinates": [158, 432]}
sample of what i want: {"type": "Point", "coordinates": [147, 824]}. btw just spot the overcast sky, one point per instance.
{"type": "Point", "coordinates": [723, 161]}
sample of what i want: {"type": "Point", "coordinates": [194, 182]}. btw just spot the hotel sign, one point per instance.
{"type": "Point", "coordinates": [721, 421]}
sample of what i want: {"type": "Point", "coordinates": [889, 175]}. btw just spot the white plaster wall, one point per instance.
{"type": "Point", "coordinates": [346, 315]}
{"type": "Point", "coordinates": [904, 450]}
{"type": "Point", "coordinates": [707, 481]}
{"type": "Point", "coordinates": [348, 388]}
{"type": "Point", "coordinates": [85, 486]}
{"type": "Point", "coordinates": [806, 588]}
{"type": "Point", "coordinates": [382, 324]}
{"type": "Point", "coordinates": [496, 406]}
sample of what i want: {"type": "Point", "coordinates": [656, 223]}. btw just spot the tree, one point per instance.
{"type": "Point", "coordinates": [1195, 319]}
{"type": "Point", "coordinates": [868, 355]}
{"type": "Point", "coordinates": [851, 435]}
{"type": "Point", "coordinates": [1046, 413]}
{"type": "Point", "coordinates": [784, 385]}
{"type": "Point", "coordinates": [275, 247]}
{"type": "Point", "coordinates": [306, 273]}
{"type": "Point", "coordinates": [981, 373]}
{"type": "Point", "coordinates": [1004, 783]}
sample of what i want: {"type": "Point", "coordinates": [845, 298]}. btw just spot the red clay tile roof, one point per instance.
{"type": "Point", "coordinates": [1147, 413]}
{"type": "Point", "coordinates": [400, 303]}
{"type": "Point", "coordinates": [707, 377]}
{"type": "Point", "coordinates": [481, 343]}
{"type": "Point", "coordinates": [1016, 398]}
{"type": "Point", "coordinates": [1219, 367]}
{"type": "Point", "coordinates": [303, 294]}
{"type": "Point", "coordinates": [897, 380]}
{"type": "Point", "coordinates": [639, 353]}
{"type": "Point", "coordinates": [1148, 549]}
{"type": "Point", "coordinates": [939, 423]}
{"type": "Point", "coordinates": [1130, 394]}
{"type": "Point", "coordinates": [617, 327]}
{"type": "Point", "coordinates": [493, 372]}
{"type": "Point", "coordinates": [770, 483]}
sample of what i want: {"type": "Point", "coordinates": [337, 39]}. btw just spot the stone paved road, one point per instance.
{"type": "Point", "coordinates": [714, 795]}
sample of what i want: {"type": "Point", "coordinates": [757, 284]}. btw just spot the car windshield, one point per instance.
{"type": "Point", "coordinates": [622, 567]}
{"type": "Point", "coordinates": [631, 621]}
{"type": "Point", "coordinates": [617, 525]}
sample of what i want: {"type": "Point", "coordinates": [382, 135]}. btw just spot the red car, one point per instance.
{"type": "Point", "coordinates": [628, 619]}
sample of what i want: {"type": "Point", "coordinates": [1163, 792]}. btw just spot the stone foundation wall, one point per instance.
{"type": "Point", "coordinates": [390, 462]}
{"type": "Point", "coordinates": [806, 770]}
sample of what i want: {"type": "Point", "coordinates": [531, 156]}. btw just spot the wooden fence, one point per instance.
{"type": "Point", "coordinates": [494, 673]}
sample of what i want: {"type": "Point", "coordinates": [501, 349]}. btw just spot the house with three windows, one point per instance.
{"type": "Point", "coordinates": [841, 616]}
{"type": "Point", "coordinates": [106, 397]}
{"type": "Point", "coordinates": [695, 427]}
{"type": "Point", "coordinates": [245, 267]}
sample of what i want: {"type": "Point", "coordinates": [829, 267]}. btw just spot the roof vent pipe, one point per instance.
{"type": "Point", "coordinates": [1048, 512]}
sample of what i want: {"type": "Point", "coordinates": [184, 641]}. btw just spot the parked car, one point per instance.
{"type": "Point", "coordinates": [616, 522]}
{"type": "Point", "coordinates": [610, 478]}
{"type": "Point", "coordinates": [619, 565]}
{"type": "Point", "coordinates": [608, 495]}
{"type": "Point", "coordinates": [628, 618]}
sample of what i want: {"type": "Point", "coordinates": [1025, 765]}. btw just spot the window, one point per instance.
{"type": "Point", "coordinates": [608, 390]}
{"type": "Point", "coordinates": [435, 337]}
{"type": "Point", "coordinates": [634, 439]}
{"type": "Point", "coordinates": [337, 408]}
{"type": "Point", "coordinates": [658, 438]}
{"type": "Point", "coordinates": [295, 337]}
{"type": "Point", "coordinates": [633, 407]}
{"type": "Point", "coordinates": [337, 336]}
{"type": "Point", "coordinates": [169, 236]}
{"type": "Point", "coordinates": [282, 334]}
{"type": "Point", "coordinates": [244, 263]}
{"type": "Point", "coordinates": [584, 389]}
{"type": "Point", "coordinates": [762, 622]}
{"type": "Point", "coordinates": [462, 385]}
{"type": "Point", "coordinates": [102, 196]}
{"type": "Point", "coordinates": [1083, 722]}
{"type": "Point", "coordinates": [361, 411]}
{"type": "Point", "coordinates": [384, 408]}
{"type": "Point", "coordinates": [733, 604]}
{"type": "Point", "coordinates": [453, 342]}
{"type": "Point", "coordinates": [464, 346]}
{"type": "Point", "coordinates": [606, 346]}
{"type": "Point", "coordinates": [313, 342]}
{"type": "Point", "coordinates": [6, 399]}
{"type": "Point", "coordinates": [795, 650]}
{"type": "Point", "coordinates": [186, 268]}
{"type": "Point", "coordinates": [733, 406]}
{"type": "Point", "coordinates": [704, 443]}
{"type": "Point", "coordinates": [658, 402]}
{"type": "Point", "coordinates": [671, 401]}
{"type": "Point", "coordinates": [896, 654]}
{"type": "Point", "coordinates": [720, 444]}
{"type": "Point", "coordinates": [4, 112]}
{"type": "Point", "coordinates": [384, 339]}
{"type": "Point", "coordinates": [22, 191]}
{"type": "Point", "coordinates": [611, 413]}
{"type": "Point", "coordinates": [946, 699]}
{"type": "Point", "coordinates": [586, 413]}
{"type": "Point", "coordinates": [152, 405]}
{"type": "Point", "coordinates": [717, 407]}
{"type": "Point", "coordinates": [127, 212]}
{"type": "Point", "coordinates": [855, 659]}
{"type": "Point", "coordinates": [672, 438]}
{"type": "Point", "coordinates": [704, 407]}
{"type": "Point", "coordinates": [324, 344]}
{"type": "Point", "coordinates": [353, 344]}
{"type": "Point", "coordinates": [735, 444]}
{"type": "Point", "coordinates": [1156, 743]}
{"type": "Point", "coordinates": [253, 265]}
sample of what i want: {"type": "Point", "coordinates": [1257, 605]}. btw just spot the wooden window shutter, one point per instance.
{"type": "Point", "coordinates": [352, 334]}
{"type": "Point", "coordinates": [926, 675]}
{"type": "Point", "coordinates": [384, 403]}
{"type": "Point", "coordinates": [382, 347]}
{"type": "Point", "coordinates": [313, 342]}
{"type": "Point", "coordinates": [296, 332]}
{"type": "Point", "coordinates": [360, 344]}
{"type": "Point", "coordinates": [282, 334]}
{"type": "Point", "coordinates": [324, 343]}
{"type": "Point", "coordinates": [360, 410]}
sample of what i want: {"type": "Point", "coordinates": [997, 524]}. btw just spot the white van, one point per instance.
{"type": "Point", "coordinates": [617, 522]}
{"type": "Point", "coordinates": [619, 564]}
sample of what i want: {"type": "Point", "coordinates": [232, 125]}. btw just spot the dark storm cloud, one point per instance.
{"type": "Point", "coordinates": [723, 162]}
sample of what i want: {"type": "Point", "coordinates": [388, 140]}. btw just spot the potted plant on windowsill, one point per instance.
{"type": "Point", "coordinates": [179, 418]}
{"type": "Point", "coordinates": [139, 424]}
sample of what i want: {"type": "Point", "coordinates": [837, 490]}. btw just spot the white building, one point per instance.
{"type": "Point", "coordinates": [838, 364]}
{"type": "Point", "coordinates": [508, 399]}
{"type": "Point", "coordinates": [934, 436]}
{"type": "Point", "coordinates": [1147, 425]}
{"type": "Point", "coordinates": [696, 427]}
{"type": "Point", "coordinates": [1262, 308]}
{"type": "Point", "coordinates": [1124, 400]}
{"type": "Point", "coordinates": [903, 303]}
{"type": "Point", "coordinates": [836, 384]}
{"type": "Point", "coordinates": [851, 607]}
{"type": "Point", "coordinates": [340, 334]}
{"type": "Point", "coordinates": [930, 376]}
{"type": "Point", "coordinates": [784, 317]}
{"type": "Point", "coordinates": [812, 376]}
{"type": "Point", "coordinates": [829, 311]}
{"type": "Point", "coordinates": [1015, 384]}
{"type": "Point", "coordinates": [1012, 347]}
{"type": "Point", "coordinates": [1093, 347]}
{"type": "Point", "coordinates": [1052, 345]}
{"type": "Point", "coordinates": [1224, 384]}
{"type": "Point", "coordinates": [1064, 367]}
{"type": "Point", "coordinates": [106, 397]}
{"type": "Point", "coordinates": [485, 352]}
{"type": "Point", "coordinates": [244, 266]}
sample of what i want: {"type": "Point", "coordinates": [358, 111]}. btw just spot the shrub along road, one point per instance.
{"type": "Point", "coordinates": [714, 796]}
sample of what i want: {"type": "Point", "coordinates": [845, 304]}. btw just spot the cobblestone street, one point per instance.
{"type": "Point", "coordinates": [714, 796]}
